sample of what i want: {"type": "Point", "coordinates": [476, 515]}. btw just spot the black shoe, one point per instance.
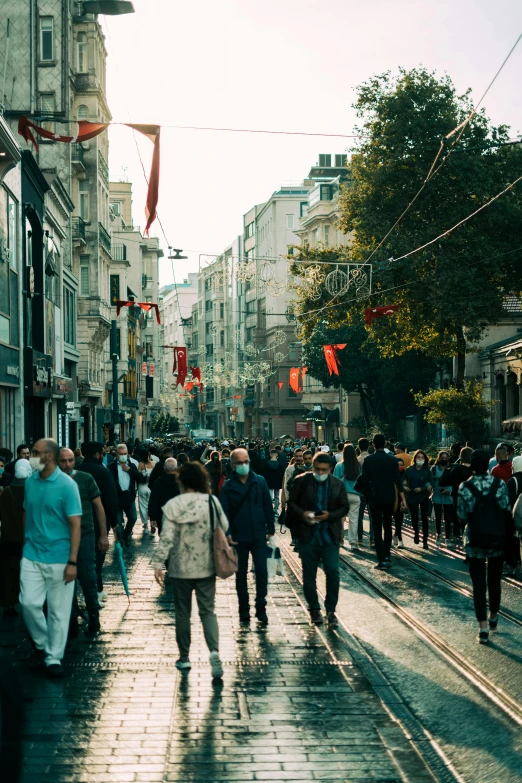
{"type": "Point", "coordinates": [381, 566]}
{"type": "Point", "coordinates": [244, 615]}
{"type": "Point", "coordinates": [54, 670]}
{"type": "Point", "coordinates": [93, 629]}
{"type": "Point", "coordinates": [493, 624]}
{"type": "Point", "coordinates": [333, 622]}
{"type": "Point", "coordinates": [316, 617]}
{"type": "Point", "coordinates": [261, 616]}
{"type": "Point", "coordinates": [416, 538]}
{"type": "Point", "coordinates": [387, 562]}
{"type": "Point", "coordinates": [425, 545]}
{"type": "Point", "coordinates": [483, 637]}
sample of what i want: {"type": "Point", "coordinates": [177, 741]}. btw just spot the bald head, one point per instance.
{"type": "Point", "coordinates": [170, 465]}
{"type": "Point", "coordinates": [239, 455]}
{"type": "Point", "coordinates": [66, 461]}
{"type": "Point", "coordinates": [47, 449]}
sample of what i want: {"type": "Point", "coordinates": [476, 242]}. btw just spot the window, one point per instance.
{"type": "Point", "coordinates": [303, 208]}
{"type": "Point", "coordinates": [69, 315]}
{"type": "Point", "coordinates": [115, 288]}
{"type": "Point", "coordinates": [289, 250]}
{"type": "Point", "coordinates": [83, 112]}
{"type": "Point", "coordinates": [208, 284]}
{"type": "Point", "coordinates": [85, 285]}
{"type": "Point", "coordinates": [292, 393]}
{"type": "Point", "coordinates": [83, 187]}
{"type": "Point", "coordinates": [12, 229]}
{"type": "Point", "coordinates": [208, 306]}
{"type": "Point", "coordinates": [195, 340]}
{"type": "Point", "coordinates": [115, 207]}
{"type": "Point", "coordinates": [208, 327]}
{"type": "Point", "coordinates": [210, 349]}
{"type": "Point", "coordinates": [269, 388]}
{"type": "Point", "coordinates": [82, 53]}
{"type": "Point", "coordinates": [293, 350]}
{"type": "Point", "coordinates": [47, 109]}
{"type": "Point", "coordinates": [327, 235]}
{"type": "Point", "coordinates": [4, 329]}
{"type": "Point", "coordinates": [249, 334]}
{"type": "Point", "coordinates": [221, 310]}
{"type": "Point", "coordinates": [250, 230]}
{"type": "Point", "coordinates": [316, 236]}
{"type": "Point", "coordinates": [340, 160]}
{"type": "Point", "coordinates": [46, 39]}
{"type": "Point", "coordinates": [325, 160]}
{"type": "Point", "coordinates": [290, 221]}
{"type": "Point", "coordinates": [326, 193]}
{"type": "Point", "coordinates": [222, 338]}
{"type": "Point", "coordinates": [251, 307]}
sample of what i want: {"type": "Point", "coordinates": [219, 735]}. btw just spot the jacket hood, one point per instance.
{"type": "Point", "coordinates": [187, 509]}
{"type": "Point", "coordinates": [517, 464]}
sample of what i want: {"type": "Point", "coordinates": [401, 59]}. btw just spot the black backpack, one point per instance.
{"type": "Point", "coordinates": [487, 521]}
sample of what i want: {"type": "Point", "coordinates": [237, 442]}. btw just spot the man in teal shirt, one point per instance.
{"type": "Point", "coordinates": [53, 512]}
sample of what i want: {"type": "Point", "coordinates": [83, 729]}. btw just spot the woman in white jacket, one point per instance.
{"type": "Point", "coordinates": [186, 540]}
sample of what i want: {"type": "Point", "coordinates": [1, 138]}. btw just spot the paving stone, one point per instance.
{"type": "Point", "coordinates": [290, 708]}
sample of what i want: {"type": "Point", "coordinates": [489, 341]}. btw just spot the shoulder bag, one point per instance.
{"type": "Point", "coordinates": [225, 556]}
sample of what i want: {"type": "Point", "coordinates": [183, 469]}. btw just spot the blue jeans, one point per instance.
{"type": "Point", "coordinates": [258, 550]}
{"type": "Point", "coordinates": [132, 515]}
{"type": "Point", "coordinates": [310, 556]}
{"type": "Point", "coordinates": [275, 494]}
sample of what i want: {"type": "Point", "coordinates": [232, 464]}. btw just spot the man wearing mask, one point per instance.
{"type": "Point", "coordinates": [127, 477]}
{"type": "Point", "coordinates": [22, 452]}
{"type": "Point", "coordinates": [317, 506]}
{"type": "Point", "coordinates": [48, 571]}
{"type": "Point", "coordinates": [246, 501]}
{"type": "Point", "coordinates": [295, 469]}
{"type": "Point", "coordinates": [94, 453]}
{"type": "Point", "coordinates": [308, 459]}
{"type": "Point", "coordinates": [285, 456]}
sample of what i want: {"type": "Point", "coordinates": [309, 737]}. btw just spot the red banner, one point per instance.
{"type": "Point", "coordinates": [379, 312]}
{"type": "Point", "coordinates": [280, 384]}
{"type": "Point", "coordinates": [294, 382]}
{"type": "Point", "coordinates": [144, 306]}
{"type": "Point", "coordinates": [180, 364]}
{"type": "Point", "coordinates": [303, 429]}
{"type": "Point", "coordinates": [330, 354]}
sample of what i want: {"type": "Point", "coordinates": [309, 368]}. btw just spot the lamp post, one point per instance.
{"type": "Point", "coordinates": [114, 359]}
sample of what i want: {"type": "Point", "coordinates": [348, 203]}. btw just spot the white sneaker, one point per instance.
{"type": "Point", "coordinates": [183, 664]}
{"type": "Point", "coordinates": [216, 665]}
{"type": "Point", "coordinates": [400, 545]}
{"type": "Point", "coordinates": [103, 596]}
{"type": "Point", "coordinates": [395, 541]}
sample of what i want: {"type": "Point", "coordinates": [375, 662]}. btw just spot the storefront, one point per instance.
{"type": "Point", "coordinates": [38, 390]}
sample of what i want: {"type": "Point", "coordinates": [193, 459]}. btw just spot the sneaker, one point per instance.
{"type": "Point", "coordinates": [438, 540]}
{"type": "Point", "coordinates": [183, 664]}
{"type": "Point", "coordinates": [483, 637]}
{"type": "Point", "coordinates": [354, 548]}
{"type": "Point", "coordinates": [400, 545]}
{"type": "Point", "coordinates": [416, 538]}
{"type": "Point", "coordinates": [93, 628]}
{"type": "Point", "coordinates": [493, 624]}
{"type": "Point", "coordinates": [54, 670]}
{"type": "Point", "coordinates": [103, 596]}
{"type": "Point", "coordinates": [261, 616]}
{"type": "Point", "coordinates": [425, 545]}
{"type": "Point", "coordinates": [381, 566]}
{"type": "Point", "coordinates": [81, 602]}
{"type": "Point", "coordinates": [333, 622]}
{"type": "Point", "coordinates": [316, 618]}
{"type": "Point", "coordinates": [101, 602]}
{"type": "Point", "coordinates": [216, 666]}
{"type": "Point", "coordinates": [395, 541]}
{"type": "Point", "coordinates": [244, 615]}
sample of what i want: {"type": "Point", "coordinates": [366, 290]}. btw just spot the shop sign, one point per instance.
{"type": "Point", "coordinates": [151, 370]}
{"type": "Point", "coordinates": [303, 429]}
{"type": "Point", "coordinates": [12, 370]}
{"type": "Point", "coordinates": [144, 368]}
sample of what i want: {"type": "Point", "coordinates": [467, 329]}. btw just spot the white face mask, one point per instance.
{"type": "Point", "coordinates": [419, 462]}
{"type": "Point", "coordinates": [36, 464]}
{"type": "Point", "coordinates": [321, 476]}
{"type": "Point", "coordinates": [122, 457]}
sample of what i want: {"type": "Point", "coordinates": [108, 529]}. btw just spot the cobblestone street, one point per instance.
{"type": "Point", "coordinates": [292, 706]}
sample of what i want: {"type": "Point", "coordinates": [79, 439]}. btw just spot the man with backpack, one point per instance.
{"type": "Point", "coordinates": [483, 508]}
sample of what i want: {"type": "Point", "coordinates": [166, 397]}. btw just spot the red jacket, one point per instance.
{"type": "Point", "coordinates": [504, 470]}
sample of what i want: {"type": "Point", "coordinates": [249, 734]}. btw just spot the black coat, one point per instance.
{"type": "Point", "coordinates": [128, 496]}
{"type": "Point", "coordinates": [273, 473]}
{"type": "Point", "coordinates": [380, 478]}
{"type": "Point", "coordinates": [157, 472]}
{"type": "Point", "coordinates": [164, 489]}
{"type": "Point", "coordinates": [105, 481]}
{"type": "Point", "coordinates": [302, 498]}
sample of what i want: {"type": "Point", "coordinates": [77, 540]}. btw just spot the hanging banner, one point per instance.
{"type": "Point", "coordinates": [294, 380]}
{"type": "Point", "coordinates": [379, 312]}
{"type": "Point", "coordinates": [280, 384]}
{"type": "Point", "coordinates": [144, 306]}
{"type": "Point", "coordinates": [180, 364]}
{"type": "Point", "coordinates": [144, 368]}
{"type": "Point", "coordinates": [330, 354]}
{"type": "Point", "coordinates": [151, 370]}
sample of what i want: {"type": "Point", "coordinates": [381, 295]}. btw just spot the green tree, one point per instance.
{"type": "Point", "coordinates": [464, 411]}
{"type": "Point", "coordinates": [449, 293]}
{"type": "Point", "coordinates": [386, 386]}
{"type": "Point", "coordinates": [158, 424]}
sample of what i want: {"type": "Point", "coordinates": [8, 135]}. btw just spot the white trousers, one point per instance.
{"type": "Point", "coordinates": [41, 582]}
{"type": "Point", "coordinates": [353, 518]}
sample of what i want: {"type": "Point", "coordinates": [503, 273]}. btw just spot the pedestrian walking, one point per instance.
{"type": "Point", "coordinates": [248, 506]}
{"type": "Point", "coordinates": [158, 470]}
{"type": "Point", "coordinates": [512, 549]}
{"type": "Point", "coordinates": [215, 471]}
{"type": "Point", "coordinates": [416, 483]}
{"type": "Point", "coordinates": [348, 470]}
{"type": "Point", "coordinates": [484, 511]}
{"type": "Point", "coordinates": [187, 541]}
{"type": "Point", "coordinates": [12, 536]}
{"type": "Point", "coordinates": [441, 497]}
{"type": "Point", "coordinates": [317, 505]}
{"type": "Point", "coordinates": [379, 479]}
{"type": "Point", "coordinates": [164, 489]}
{"type": "Point", "coordinates": [295, 468]}
{"type": "Point", "coordinates": [401, 453]}
{"type": "Point", "coordinates": [49, 564]}
{"type": "Point", "coordinates": [398, 513]}
{"type": "Point", "coordinates": [274, 474]}
{"type": "Point", "coordinates": [146, 465]}
{"type": "Point", "coordinates": [363, 444]}
{"type": "Point", "coordinates": [453, 477]}
{"type": "Point", "coordinates": [22, 452]}
{"type": "Point", "coordinates": [127, 478]}
{"type": "Point", "coordinates": [91, 507]}
{"type": "Point", "coordinates": [504, 467]}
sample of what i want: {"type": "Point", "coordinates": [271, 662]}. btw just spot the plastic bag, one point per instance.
{"type": "Point", "coordinates": [274, 561]}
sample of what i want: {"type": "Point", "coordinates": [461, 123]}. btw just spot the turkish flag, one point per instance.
{"type": "Point", "coordinates": [379, 312]}
{"type": "Point", "coordinates": [196, 374]}
{"type": "Point", "coordinates": [280, 384]}
{"type": "Point", "coordinates": [294, 380]}
{"type": "Point", "coordinates": [189, 386]}
{"type": "Point", "coordinates": [180, 364]}
{"type": "Point", "coordinates": [330, 354]}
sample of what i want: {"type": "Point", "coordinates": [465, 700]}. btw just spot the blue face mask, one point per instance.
{"type": "Point", "coordinates": [243, 470]}
{"type": "Point", "coordinates": [1, 471]}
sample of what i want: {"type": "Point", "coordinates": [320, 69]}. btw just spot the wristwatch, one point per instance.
{"type": "Point", "coordinates": [71, 562]}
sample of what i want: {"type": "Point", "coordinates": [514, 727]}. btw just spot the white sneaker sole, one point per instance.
{"type": "Point", "coordinates": [216, 667]}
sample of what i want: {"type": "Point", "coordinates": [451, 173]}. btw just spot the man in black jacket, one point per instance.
{"type": "Point", "coordinates": [127, 477]}
{"type": "Point", "coordinates": [93, 464]}
{"type": "Point", "coordinates": [316, 508]}
{"type": "Point", "coordinates": [164, 489]}
{"type": "Point", "coordinates": [380, 481]}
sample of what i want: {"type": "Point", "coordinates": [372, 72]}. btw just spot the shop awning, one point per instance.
{"type": "Point", "coordinates": [334, 416]}
{"type": "Point", "coordinates": [512, 425]}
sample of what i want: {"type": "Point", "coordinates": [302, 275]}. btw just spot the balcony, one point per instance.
{"type": "Point", "coordinates": [103, 167]}
{"type": "Point", "coordinates": [119, 252]}
{"type": "Point", "coordinates": [105, 239]}
{"type": "Point", "coordinates": [78, 229]}
{"type": "Point", "coordinates": [77, 158]}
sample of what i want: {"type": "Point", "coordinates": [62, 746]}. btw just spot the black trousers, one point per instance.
{"type": "Point", "coordinates": [382, 516]}
{"type": "Point", "coordinates": [414, 511]}
{"type": "Point", "coordinates": [485, 573]}
{"type": "Point", "coordinates": [398, 517]}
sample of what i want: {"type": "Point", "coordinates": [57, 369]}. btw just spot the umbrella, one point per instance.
{"type": "Point", "coordinates": [121, 565]}
{"type": "Point", "coordinates": [286, 437]}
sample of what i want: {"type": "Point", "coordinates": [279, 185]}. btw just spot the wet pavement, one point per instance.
{"type": "Point", "coordinates": [295, 704]}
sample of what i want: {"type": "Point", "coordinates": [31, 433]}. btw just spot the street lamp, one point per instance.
{"type": "Point", "coordinates": [106, 7]}
{"type": "Point", "coordinates": [178, 256]}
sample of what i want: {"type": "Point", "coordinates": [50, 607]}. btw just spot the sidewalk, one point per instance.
{"type": "Point", "coordinates": [293, 706]}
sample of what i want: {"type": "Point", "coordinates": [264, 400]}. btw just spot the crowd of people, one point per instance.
{"type": "Point", "coordinates": [59, 508]}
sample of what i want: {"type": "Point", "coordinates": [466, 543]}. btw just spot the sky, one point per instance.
{"type": "Point", "coordinates": [290, 65]}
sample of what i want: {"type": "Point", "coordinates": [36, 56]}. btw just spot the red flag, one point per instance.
{"type": "Point", "coordinates": [196, 373]}
{"type": "Point", "coordinates": [295, 384]}
{"type": "Point", "coordinates": [88, 130]}
{"type": "Point", "coordinates": [330, 354]}
{"type": "Point", "coordinates": [280, 384]}
{"type": "Point", "coordinates": [180, 364]}
{"type": "Point", "coordinates": [189, 386]}
{"type": "Point", "coordinates": [379, 312]}
{"type": "Point", "coordinates": [144, 306]}
{"type": "Point", "coordinates": [236, 396]}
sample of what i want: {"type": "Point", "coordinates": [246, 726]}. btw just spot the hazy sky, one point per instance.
{"type": "Point", "coordinates": [279, 65]}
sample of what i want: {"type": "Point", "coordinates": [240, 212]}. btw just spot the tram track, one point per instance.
{"type": "Point", "coordinates": [465, 668]}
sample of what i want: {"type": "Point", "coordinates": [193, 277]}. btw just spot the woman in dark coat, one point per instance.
{"type": "Point", "coordinates": [215, 470]}
{"type": "Point", "coordinates": [514, 487]}
{"type": "Point", "coordinates": [273, 473]}
{"type": "Point", "coordinates": [12, 537]}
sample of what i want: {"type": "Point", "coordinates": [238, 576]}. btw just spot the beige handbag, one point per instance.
{"type": "Point", "coordinates": [225, 556]}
